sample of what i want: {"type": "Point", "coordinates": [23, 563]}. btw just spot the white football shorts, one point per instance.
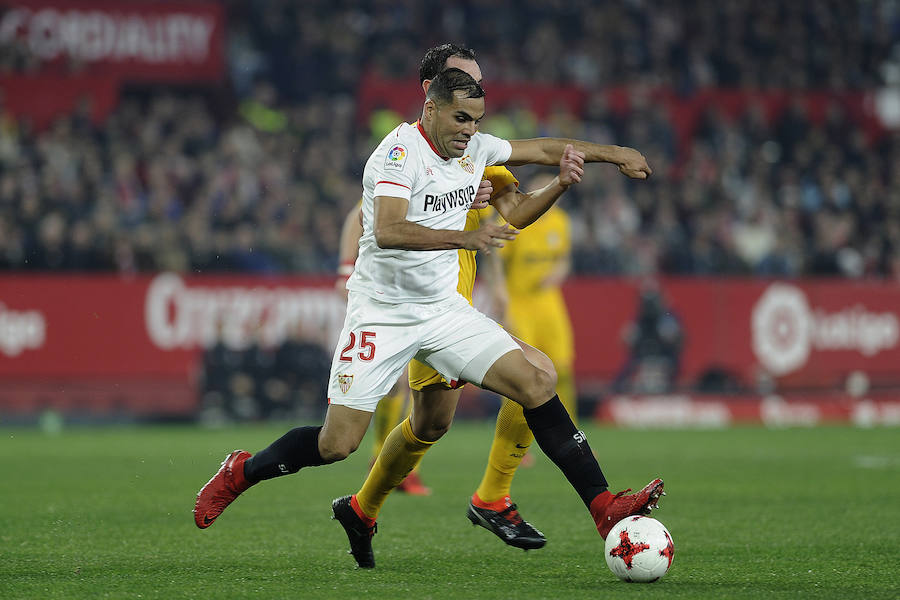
{"type": "Point", "coordinates": [379, 339]}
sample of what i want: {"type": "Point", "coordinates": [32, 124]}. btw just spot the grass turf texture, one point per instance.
{"type": "Point", "coordinates": [755, 513]}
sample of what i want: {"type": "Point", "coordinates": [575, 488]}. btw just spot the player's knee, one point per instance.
{"type": "Point", "coordinates": [537, 388]}
{"type": "Point", "coordinates": [546, 365]}
{"type": "Point", "coordinates": [432, 430]}
{"type": "Point", "coordinates": [542, 362]}
{"type": "Point", "coordinates": [546, 383]}
{"type": "Point", "coordinates": [334, 450]}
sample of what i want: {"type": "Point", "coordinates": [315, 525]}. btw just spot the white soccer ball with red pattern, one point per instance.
{"type": "Point", "coordinates": [639, 549]}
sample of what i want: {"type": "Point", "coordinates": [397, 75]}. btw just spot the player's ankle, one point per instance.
{"type": "Point", "coordinates": [366, 519]}
{"type": "Point", "coordinates": [496, 505]}
{"type": "Point", "coordinates": [240, 479]}
{"type": "Point", "coordinates": [599, 504]}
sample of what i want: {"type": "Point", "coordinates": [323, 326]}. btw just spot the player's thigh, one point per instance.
{"type": "Point", "coordinates": [433, 410]}
{"type": "Point", "coordinates": [461, 343]}
{"type": "Point", "coordinates": [514, 376]}
{"type": "Point", "coordinates": [538, 359]}
{"type": "Point", "coordinates": [422, 376]}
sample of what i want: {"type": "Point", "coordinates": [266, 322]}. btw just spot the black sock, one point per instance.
{"type": "Point", "coordinates": [298, 448]}
{"type": "Point", "coordinates": [567, 448]}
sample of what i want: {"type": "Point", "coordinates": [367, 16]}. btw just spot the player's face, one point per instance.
{"type": "Point", "coordinates": [455, 124]}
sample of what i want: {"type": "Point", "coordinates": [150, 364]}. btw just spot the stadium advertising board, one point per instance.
{"type": "Point", "coordinates": [158, 40]}
{"type": "Point", "coordinates": [809, 334]}
{"type": "Point", "coordinates": [60, 326]}
{"type": "Point", "coordinates": [86, 330]}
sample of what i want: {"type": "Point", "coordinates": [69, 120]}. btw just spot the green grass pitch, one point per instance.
{"type": "Point", "coordinates": [755, 513]}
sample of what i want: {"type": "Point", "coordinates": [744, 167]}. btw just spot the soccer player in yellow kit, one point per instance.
{"type": "Point", "coordinates": [536, 266]}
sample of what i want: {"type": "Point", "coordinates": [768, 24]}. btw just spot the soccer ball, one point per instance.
{"type": "Point", "coordinates": [639, 549]}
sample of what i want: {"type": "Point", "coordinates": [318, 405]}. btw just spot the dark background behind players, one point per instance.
{"type": "Point", "coordinates": [255, 175]}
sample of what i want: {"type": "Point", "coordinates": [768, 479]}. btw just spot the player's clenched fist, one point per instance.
{"type": "Point", "coordinates": [571, 166]}
{"type": "Point", "coordinates": [489, 236]}
{"type": "Point", "coordinates": [483, 195]}
{"type": "Point", "coordinates": [632, 163]}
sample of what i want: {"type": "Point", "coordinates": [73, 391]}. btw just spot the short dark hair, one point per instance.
{"type": "Point", "coordinates": [453, 80]}
{"type": "Point", "coordinates": [436, 58]}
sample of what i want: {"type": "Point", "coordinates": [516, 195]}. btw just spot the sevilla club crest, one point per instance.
{"type": "Point", "coordinates": [345, 381]}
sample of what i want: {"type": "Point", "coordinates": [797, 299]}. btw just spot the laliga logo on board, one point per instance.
{"type": "Point", "coordinates": [785, 329]}
{"type": "Point", "coordinates": [21, 330]}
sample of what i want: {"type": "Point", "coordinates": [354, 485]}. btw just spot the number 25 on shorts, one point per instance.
{"type": "Point", "coordinates": [366, 347]}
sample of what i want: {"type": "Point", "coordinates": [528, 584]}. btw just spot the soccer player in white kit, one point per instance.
{"type": "Point", "coordinates": [403, 304]}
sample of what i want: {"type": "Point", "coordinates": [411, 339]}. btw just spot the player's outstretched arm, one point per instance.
{"type": "Point", "coordinates": [522, 209]}
{"type": "Point", "coordinates": [548, 151]}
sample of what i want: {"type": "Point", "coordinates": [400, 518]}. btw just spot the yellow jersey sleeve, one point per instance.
{"type": "Point", "coordinates": [500, 177]}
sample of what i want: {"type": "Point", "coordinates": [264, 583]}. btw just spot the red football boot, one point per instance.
{"type": "Point", "coordinates": [220, 491]}
{"type": "Point", "coordinates": [608, 510]}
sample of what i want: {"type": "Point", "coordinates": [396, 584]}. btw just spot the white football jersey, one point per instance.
{"type": "Point", "coordinates": [440, 192]}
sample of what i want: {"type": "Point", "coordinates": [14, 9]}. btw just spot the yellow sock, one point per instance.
{"type": "Point", "coordinates": [565, 389]}
{"type": "Point", "coordinates": [402, 451]}
{"type": "Point", "coordinates": [388, 415]}
{"type": "Point", "coordinates": [511, 440]}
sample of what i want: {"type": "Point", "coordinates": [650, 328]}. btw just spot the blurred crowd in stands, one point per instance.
{"type": "Point", "coordinates": [287, 380]}
{"type": "Point", "coordinates": [258, 176]}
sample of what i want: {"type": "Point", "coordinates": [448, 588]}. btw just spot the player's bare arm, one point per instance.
{"type": "Point", "coordinates": [548, 151]}
{"type": "Point", "coordinates": [393, 230]}
{"type": "Point", "coordinates": [490, 270]}
{"type": "Point", "coordinates": [348, 248]}
{"type": "Point", "coordinates": [522, 209]}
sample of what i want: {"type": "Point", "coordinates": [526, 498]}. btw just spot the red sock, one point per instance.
{"type": "Point", "coordinates": [240, 481]}
{"type": "Point", "coordinates": [497, 505]}
{"type": "Point", "coordinates": [367, 520]}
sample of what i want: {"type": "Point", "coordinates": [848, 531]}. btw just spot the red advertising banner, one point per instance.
{"type": "Point", "coordinates": [809, 334]}
{"type": "Point", "coordinates": [88, 327]}
{"type": "Point", "coordinates": [158, 41]}
{"type": "Point", "coordinates": [61, 333]}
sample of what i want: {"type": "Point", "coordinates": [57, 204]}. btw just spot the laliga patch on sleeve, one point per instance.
{"type": "Point", "coordinates": [396, 157]}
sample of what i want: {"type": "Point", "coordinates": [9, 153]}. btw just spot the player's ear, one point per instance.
{"type": "Point", "coordinates": [430, 107]}
{"type": "Point", "coordinates": [426, 83]}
